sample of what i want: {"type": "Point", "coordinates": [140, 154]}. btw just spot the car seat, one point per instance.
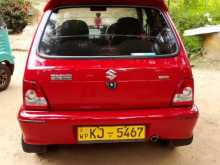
{"type": "Point", "coordinates": [72, 29]}
{"type": "Point", "coordinates": [126, 26]}
{"type": "Point", "coordinates": [74, 38]}
{"type": "Point", "coordinates": [132, 44]}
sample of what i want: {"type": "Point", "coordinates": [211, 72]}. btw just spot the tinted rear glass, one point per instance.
{"type": "Point", "coordinates": [104, 31]}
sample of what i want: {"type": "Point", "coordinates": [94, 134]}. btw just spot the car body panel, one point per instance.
{"type": "Point", "coordinates": [45, 127]}
{"type": "Point", "coordinates": [89, 79]}
{"type": "Point", "coordinates": [85, 100]}
{"type": "Point", "coordinates": [139, 83]}
{"type": "Point", "coordinates": [52, 4]}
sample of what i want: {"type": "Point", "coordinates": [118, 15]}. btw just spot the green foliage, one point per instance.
{"type": "Point", "coordinates": [188, 14]}
{"type": "Point", "coordinates": [15, 13]}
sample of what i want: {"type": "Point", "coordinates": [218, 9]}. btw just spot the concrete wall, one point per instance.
{"type": "Point", "coordinates": [211, 46]}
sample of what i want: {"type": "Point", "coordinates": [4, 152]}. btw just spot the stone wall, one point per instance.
{"type": "Point", "coordinates": [211, 46]}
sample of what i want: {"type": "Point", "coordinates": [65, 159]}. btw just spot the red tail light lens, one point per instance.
{"type": "Point", "coordinates": [34, 98]}
{"type": "Point", "coordinates": [184, 95]}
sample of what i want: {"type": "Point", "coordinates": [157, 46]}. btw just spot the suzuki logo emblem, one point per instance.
{"type": "Point", "coordinates": [111, 74]}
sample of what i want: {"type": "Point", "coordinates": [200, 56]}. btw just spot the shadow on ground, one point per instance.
{"type": "Point", "coordinates": [108, 154]}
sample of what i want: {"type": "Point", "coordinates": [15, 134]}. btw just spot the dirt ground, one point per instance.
{"type": "Point", "coordinates": [205, 149]}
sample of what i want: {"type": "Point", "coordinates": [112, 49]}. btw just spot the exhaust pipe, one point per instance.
{"type": "Point", "coordinates": [154, 139]}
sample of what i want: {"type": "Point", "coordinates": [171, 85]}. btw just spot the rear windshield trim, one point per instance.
{"type": "Point", "coordinates": [42, 55]}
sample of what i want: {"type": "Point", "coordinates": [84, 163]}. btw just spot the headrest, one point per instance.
{"type": "Point", "coordinates": [129, 26]}
{"type": "Point", "coordinates": [73, 27]}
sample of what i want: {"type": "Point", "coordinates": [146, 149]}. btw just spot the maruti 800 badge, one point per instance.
{"type": "Point", "coordinates": [61, 77]}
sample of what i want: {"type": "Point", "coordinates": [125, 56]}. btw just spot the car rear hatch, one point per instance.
{"type": "Point", "coordinates": [84, 84]}
{"type": "Point", "coordinates": [105, 83]}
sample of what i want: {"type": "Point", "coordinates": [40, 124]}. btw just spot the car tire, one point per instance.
{"type": "Point", "coordinates": [182, 142]}
{"type": "Point", "coordinates": [5, 77]}
{"type": "Point", "coordinates": [38, 149]}
{"type": "Point", "coordinates": [167, 143]}
{"type": "Point", "coordinates": [176, 143]}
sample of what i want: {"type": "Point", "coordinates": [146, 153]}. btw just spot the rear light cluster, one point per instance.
{"type": "Point", "coordinates": [184, 95]}
{"type": "Point", "coordinates": [34, 98]}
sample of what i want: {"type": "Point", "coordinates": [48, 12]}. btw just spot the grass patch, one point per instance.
{"type": "Point", "coordinates": [188, 14]}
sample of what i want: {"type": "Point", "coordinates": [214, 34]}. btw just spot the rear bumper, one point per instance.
{"type": "Point", "coordinates": [49, 127]}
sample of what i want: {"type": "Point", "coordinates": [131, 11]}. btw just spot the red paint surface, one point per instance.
{"type": "Point", "coordinates": [60, 127]}
{"type": "Point", "coordinates": [141, 97]}
{"type": "Point", "coordinates": [59, 3]}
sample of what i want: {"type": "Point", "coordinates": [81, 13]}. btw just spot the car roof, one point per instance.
{"type": "Point", "coordinates": [53, 4]}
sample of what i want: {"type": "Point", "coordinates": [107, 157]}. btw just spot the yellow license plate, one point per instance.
{"type": "Point", "coordinates": [111, 133]}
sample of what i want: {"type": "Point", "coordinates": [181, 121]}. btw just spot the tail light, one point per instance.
{"type": "Point", "coordinates": [33, 96]}
{"type": "Point", "coordinates": [184, 96]}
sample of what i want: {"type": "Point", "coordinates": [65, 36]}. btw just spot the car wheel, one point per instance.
{"type": "Point", "coordinates": [5, 77]}
{"type": "Point", "coordinates": [28, 148]}
{"type": "Point", "coordinates": [182, 142]}
{"type": "Point", "coordinates": [167, 143]}
{"type": "Point", "coordinates": [176, 143]}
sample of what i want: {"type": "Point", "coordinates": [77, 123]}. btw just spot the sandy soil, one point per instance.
{"type": "Point", "coordinates": [205, 149]}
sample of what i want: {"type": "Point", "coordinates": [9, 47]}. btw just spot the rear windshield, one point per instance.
{"type": "Point", "coordinates": [107, 32]}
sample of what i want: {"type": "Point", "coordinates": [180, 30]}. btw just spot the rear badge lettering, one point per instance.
{"type": "Point", "coordinates": [61, 77]}
{"type": "Point", "coordinates": [164, 77]}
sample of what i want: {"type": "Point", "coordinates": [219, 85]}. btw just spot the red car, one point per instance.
{"type": "Point", "coordinates": [127, 80]}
